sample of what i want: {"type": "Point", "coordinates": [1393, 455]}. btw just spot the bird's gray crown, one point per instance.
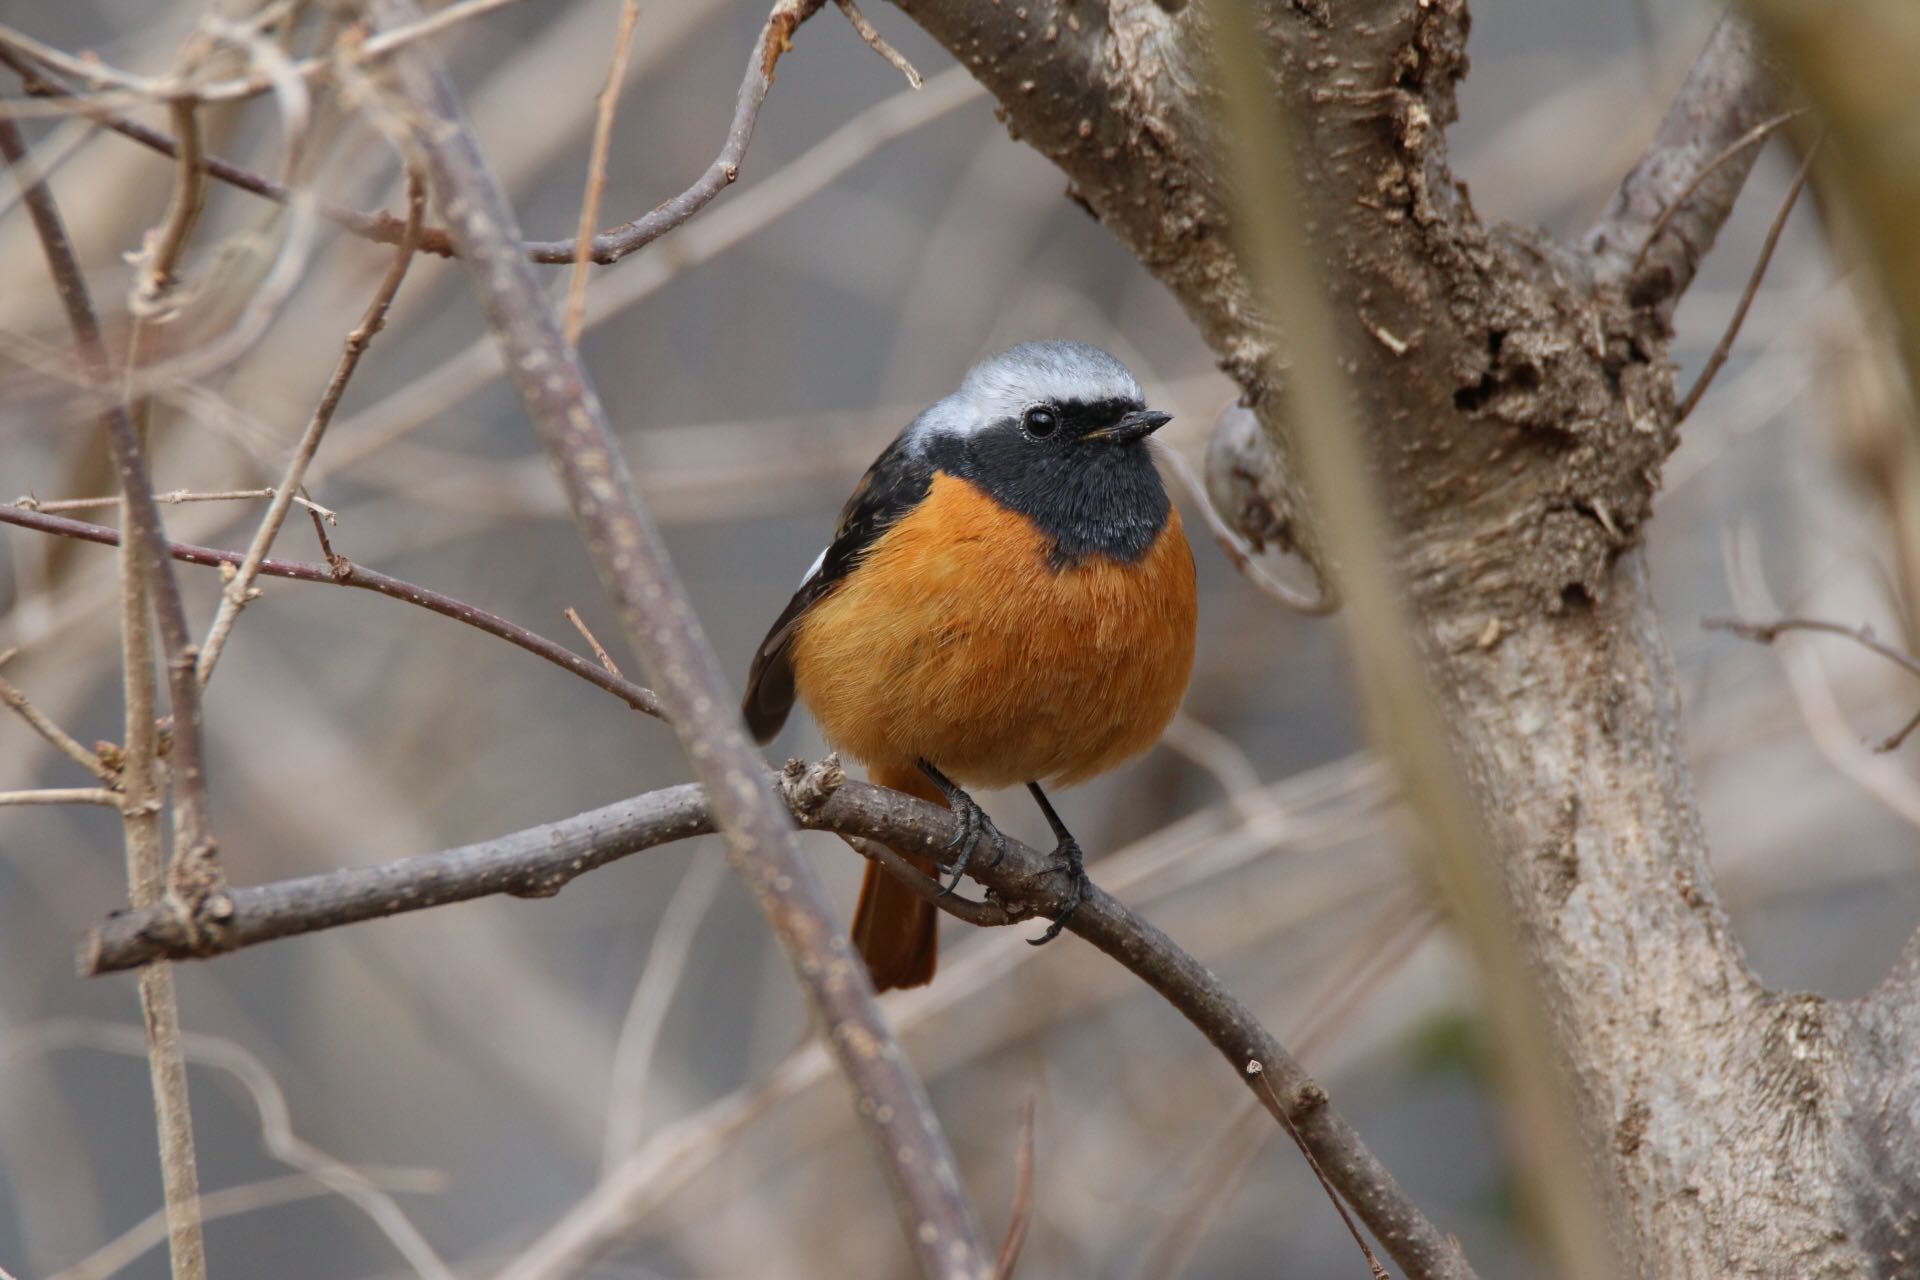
{"type": "Point", "coordinates": [1006, 385]}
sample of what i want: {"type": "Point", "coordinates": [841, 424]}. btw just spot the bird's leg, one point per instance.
{"type": "Point", "coordinates": [1068, 858]}
{"type": "Point", "coordinates": [975, 825]}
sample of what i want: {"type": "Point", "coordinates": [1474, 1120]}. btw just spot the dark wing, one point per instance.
{"type": "Point", "coordinates": [894, 485]}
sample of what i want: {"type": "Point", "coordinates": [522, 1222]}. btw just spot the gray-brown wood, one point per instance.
{"type": "Point", "coordinates": [1519, 404]}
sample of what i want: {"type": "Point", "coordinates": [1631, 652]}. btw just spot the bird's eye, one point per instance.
{"type": "Point", "coordinates": [1040, 422]}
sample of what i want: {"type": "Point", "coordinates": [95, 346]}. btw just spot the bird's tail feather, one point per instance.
{"type": "Point", "coordinates": [896, 930]}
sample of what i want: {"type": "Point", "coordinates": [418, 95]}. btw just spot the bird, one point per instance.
{"type": "Point", "coordinates": [1008, 599]}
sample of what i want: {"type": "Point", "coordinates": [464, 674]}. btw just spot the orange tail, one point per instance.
{"type": "Point", "coordinates": [896, 930]}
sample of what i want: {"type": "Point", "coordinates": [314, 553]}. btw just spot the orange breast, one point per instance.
{"type": "Point", "coordinates": [955, 641]}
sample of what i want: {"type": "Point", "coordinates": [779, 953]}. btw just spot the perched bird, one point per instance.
{"type": "Point", "coordinates": [1008, 598]}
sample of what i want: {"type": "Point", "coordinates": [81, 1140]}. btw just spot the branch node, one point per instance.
{"type": "Point", "coordinates": [807, 788]}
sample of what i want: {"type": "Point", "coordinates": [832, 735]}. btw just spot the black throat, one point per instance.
{"type": "Point", "coordinates": [1092, 497]}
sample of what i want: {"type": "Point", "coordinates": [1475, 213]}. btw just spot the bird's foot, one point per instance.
{"type": "Point", "coordinates": [976, 828]}
{"type": "Point", "coordinates": [1070, 862]}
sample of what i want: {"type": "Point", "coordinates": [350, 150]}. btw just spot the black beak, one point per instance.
{"type": "Point", "coordinates": [1137, 425]}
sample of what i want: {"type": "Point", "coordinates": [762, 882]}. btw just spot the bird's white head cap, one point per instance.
{"type": "Point", "coordinates": [1004, 386]}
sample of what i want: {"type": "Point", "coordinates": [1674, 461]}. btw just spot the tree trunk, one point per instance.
{"type": "Point", "coordinates": [1520, 404]}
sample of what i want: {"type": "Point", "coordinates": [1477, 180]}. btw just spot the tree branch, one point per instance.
{"type": "Point", "coordinates": [343, 572]}
{"type": "Point", "coordinates": [941, 1228]}
{"type": "Point", "coordinates": [1670, 206]}
{"type": "Point", "coordinates": [149, 595]}
{"type": "Point", "coordinates": [239, 590]}
{"type": "Point", "coordinates": [606, 248]}
{"type": "Point", "coordinates": [540, 860]}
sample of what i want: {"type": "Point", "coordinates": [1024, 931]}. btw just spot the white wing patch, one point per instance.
{"type": "Point", "coordinates": [814, 567]}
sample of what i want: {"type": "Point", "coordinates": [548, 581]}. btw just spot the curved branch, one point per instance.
{"type": "Point", "coordinates": [540, 860]}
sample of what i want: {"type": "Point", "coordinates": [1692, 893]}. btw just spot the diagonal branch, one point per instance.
{"type": "Point", "coordinates": [540, 860]}
{"type": "Point", "coordinates": [342, 572]}
{"type": "Point", "coordinates": [637, 575]}
{"type": "Point", "coordinates": [1663, 220]}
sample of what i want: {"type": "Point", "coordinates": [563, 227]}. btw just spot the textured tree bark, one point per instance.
{"type": "Point", "coordinates": [1520, 404]}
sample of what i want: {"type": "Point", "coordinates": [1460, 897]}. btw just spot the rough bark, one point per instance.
{"type": "Point", "coordinates": [1520, 404]}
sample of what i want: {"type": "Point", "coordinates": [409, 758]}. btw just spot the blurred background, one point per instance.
{"type": "Point", "coordinates": [483, 1088]}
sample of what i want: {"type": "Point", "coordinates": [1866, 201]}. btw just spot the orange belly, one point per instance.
{"type": "Point", "coordinates": [955, 641]}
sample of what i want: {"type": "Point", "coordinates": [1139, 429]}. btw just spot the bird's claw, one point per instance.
{"type": "Point", "coordinates": [975, 826]}
{"type": "Point", "coordinates": [1068, 860]}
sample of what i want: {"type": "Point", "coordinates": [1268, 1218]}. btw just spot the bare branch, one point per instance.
{"type": "Point", "coordinates": [143, 512]}
{"type": "Point", "coordinates": [63, 795]}
{"type": "Point", "coordinates": [278, 1139]}
{"type": "Point", "coordinates": [239, 590]}
{"type": "Point", "coordinates": [593, 641]}
{"type": "Point", "coordinates": [1768, 632]}
{"type": "Point", "coordinates": [576, 314]}
{"type": "Point", "coordinates": [871, 34]}
{"type": "Point", "coordinates": [539, 861]}
{"type": "Point", "coordinates": [30, 60]}
{"type": "Point", "coordinates": [343, 572]}
{"type": "Point", "coordinates": [1680, 193]}
{"type": "Point", "coordinates": [635, 571]}
{"type": "Point", "coordinates": [173, 497]}
{"type": "Point", "coordinates": [379, 228]}
{"type": "Point", "coordinates": [171, 88]}
{"type": "Point", "coordinates": [1724, 347]}
{"type": "Point", "coordinates": [1257, 1070]}
{"type": "Point", "coordinates": [776, 37]}
{"type": "Point", "coordinates": [1022, 1217]}
{"type": "Point", "coordinates": [64, 742]}
{"type": "Point", "coordinates": [149, 594]}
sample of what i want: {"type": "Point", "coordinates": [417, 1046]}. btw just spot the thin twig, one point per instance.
{"type": "Point", "coordinates": [878, 43]}
{"type": "Point", "coordinates": [64, 742]}
{"type": "Point", "coordinates": [776, 37]}
{"type": "Point", "coordinates": [1724, 347]}
{"type": "Point", "coordinates": [593, 641]}
{"type": "Point", "coordinates": [379, 228]}
{"type": "Point", "coordinates": [1885, 780]}
{"type": "Point", "coordinates": [63, 795]}
{"type": "Point", "coordinates": [277, 1136]}
{"type": "Point", "coordinates": [1376, 953]}
{"type": "Point", "coordinates": [607, 247]}
{"type": "Point", "coordinates": [1732, 151]}
{"type": "Point", "coordinates": [576, 315]}
{"type": "Point", "coordinates": [1022, 1216]}
{"type": "Point", "coordinates": [239, 590]}
{"type": "Point", "coordinates": [1893, 740]}
{"type": "Point", "coordinates": [660, 980]}
{"type": "Point", "coordinates": [169, 243]}
{"type": "Point", "coordinates": [1768, 632]}
{"type": "Point", "coordinates": [1691, 172]}
{"type": "Point", "coordinates": [149, 593]}
{"type": "Point", "coordinates": [638, 576]}
{"type": "Point", "coordinates": [814, 170]}
{"type": "Point", "coordinates": [345, 573]}
{"type": "Point", "coordinates": [121, 1252]}
{"type": "Point", "coordinates": [172, 497]}
{"type": "Point", "coordinates": [172, 88]}
{"type": "Point", "coordinates": [1258, 1072]}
